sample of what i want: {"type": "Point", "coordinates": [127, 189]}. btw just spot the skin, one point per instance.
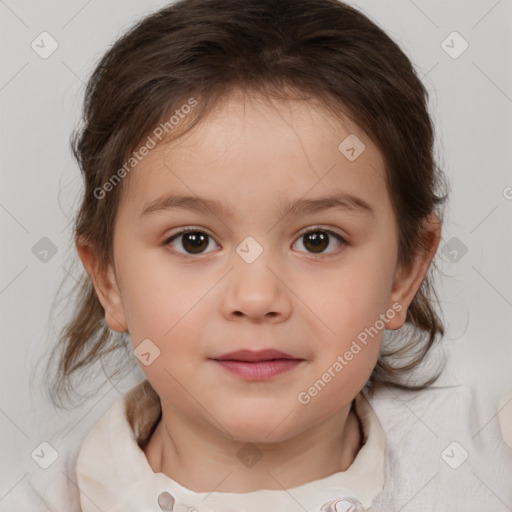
{"type": "Point", "coordinates": [290, 298]}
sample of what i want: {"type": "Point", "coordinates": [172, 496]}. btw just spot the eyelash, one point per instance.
{"type": "Point", "coordinates": [315, 229]}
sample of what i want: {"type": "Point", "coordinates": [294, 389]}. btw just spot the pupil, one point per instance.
{"type": "Point", "coordinates": [317, 240]}
{"type": "Point", "coordinates": [192, 242]}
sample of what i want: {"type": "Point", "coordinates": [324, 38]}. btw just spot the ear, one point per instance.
{"type": "Point", "coordinates": [105, 284]}
{"type": "Point", "coordinates": [408, 281]}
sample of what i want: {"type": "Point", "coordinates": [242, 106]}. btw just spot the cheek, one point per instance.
{"type": "Point", "coordinates": [350, 298]}
{"type": "Point", "coordinates": [349, 305]}
{"type": "Point", "coordinates": [156, 295]}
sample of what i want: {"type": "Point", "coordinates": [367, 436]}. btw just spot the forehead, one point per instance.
{"type": "Point", "coordinates": [254, 148]}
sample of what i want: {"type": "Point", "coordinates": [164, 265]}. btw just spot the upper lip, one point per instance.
{"type": "Point", "coordinates": [254, 355]}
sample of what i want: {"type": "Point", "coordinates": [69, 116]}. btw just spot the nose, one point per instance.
{"type": "Point", "coordinates": [257, 290]}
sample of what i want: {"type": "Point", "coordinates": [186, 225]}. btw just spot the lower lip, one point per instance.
{"type": "Point", "coordinates": [259, 370]}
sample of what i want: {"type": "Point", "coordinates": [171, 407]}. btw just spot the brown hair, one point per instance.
{"type": "Point", "coordinates": [204, 49]}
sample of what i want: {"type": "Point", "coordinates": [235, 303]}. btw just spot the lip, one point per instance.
{"type": "Point", "coordinates": [254, 355]}
{"type": "Point", "coordinates": [257, 365]}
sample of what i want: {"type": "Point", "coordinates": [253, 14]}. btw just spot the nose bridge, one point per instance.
{"type": "Point", "coordinates": [250, 250]}
{"type": "Point", "coordinates": [253, 261]}
{"type": "Point", "coordinates": [255, 287]}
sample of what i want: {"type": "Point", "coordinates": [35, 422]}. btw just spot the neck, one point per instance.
{"type": "Point", "coordinates": [203, 459]}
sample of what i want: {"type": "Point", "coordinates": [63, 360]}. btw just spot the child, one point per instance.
{"type": "Point", "coordinates": [260, 213]}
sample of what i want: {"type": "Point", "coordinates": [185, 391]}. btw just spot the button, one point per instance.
{"type": "Point", "coordinates": [343, 504]}
{"type": "Point", "coordinates": [166, 501]}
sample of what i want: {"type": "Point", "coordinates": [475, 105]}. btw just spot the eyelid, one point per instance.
{"type": "Point", "coordinates": [194, 229]}
{"type": "Point", "coordinates": [181, 231]}
{"type": "Point", "coordinates": [331, 231]}
{"type": "Point", "coordinates": [309, 229]}
{"type": "Point", "coordinates": [188, 229]}
{"type": "Point", "coordinates": [327, 229]}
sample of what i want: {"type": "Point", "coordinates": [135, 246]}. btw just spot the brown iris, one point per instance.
{"type": "Point", "coordinates": [195, 241]}
{"type": "Point", "coordinates": [318, 241]}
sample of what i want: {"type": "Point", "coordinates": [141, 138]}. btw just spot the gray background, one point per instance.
{"type": "Point", "coordinates": [471, 103]}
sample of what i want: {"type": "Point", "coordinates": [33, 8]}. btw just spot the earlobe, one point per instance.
{"type": "Point", "coordinates": [408, 281]}
{"type": "Point", "coordinates": [105, 284]}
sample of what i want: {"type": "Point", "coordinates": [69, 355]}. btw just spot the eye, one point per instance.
{"type": "Point", "coordinates": [193, 240]}
{"type": "Point", "coordinates": [317, 240]}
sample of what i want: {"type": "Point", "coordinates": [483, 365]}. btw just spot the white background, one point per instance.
{"type": "Point", "coordinates": [471, 104]}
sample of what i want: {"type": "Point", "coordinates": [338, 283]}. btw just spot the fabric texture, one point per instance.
{"type": "Point", "coordinates": [114, 474]}
{"type": "Point", "coordinates": [440, 449]}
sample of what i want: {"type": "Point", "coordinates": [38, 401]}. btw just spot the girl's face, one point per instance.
{"type": "Point", "coordinates": [258, 178]}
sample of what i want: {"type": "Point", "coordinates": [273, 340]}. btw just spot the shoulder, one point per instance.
{"type": "Point", "coordinates": [445, 440]}
{"type": "Point", "coordinates": [45, 489]}
{"type": "Point", "coordinates": [505, 416]}
{"type": "Point", "coordinates": [110, 458]}
{"type": "Point", "coordinates": [50, 480]}
{"type": "Point", "coordinates": [131, 419]}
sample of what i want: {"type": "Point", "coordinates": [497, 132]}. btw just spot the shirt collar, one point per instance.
{"type": "Point", "coordinates": [114, 475]}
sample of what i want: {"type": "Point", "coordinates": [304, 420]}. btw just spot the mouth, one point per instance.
{"type": "Point", "coordinates": [257, 365]}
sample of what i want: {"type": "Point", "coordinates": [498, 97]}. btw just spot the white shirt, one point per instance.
{"type": "Point", "coordinates": [121, 479]}
{"type": "Point", "coordinates": [440, 449]}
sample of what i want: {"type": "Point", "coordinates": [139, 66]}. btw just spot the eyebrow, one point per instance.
{"type": "Point", "coordinates": [342, 201]}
